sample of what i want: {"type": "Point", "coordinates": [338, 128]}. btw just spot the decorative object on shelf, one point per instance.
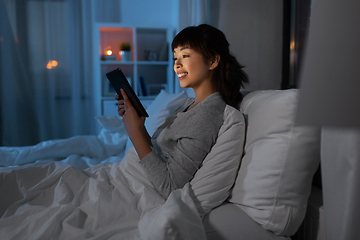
{"type": "Point", "coordinates": [108, 56]}
{"type": "Point", "coordinates": [150, 55]}
{"type": "Point", "coordinates": [143, 91]}
{"type": "Point", "coordinates": [163, 56]}
{"type": "Point", "coordinates": [125, 52]}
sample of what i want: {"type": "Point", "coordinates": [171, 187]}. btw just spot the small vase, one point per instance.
{"type": "Point", "coordinates": [125, 56]}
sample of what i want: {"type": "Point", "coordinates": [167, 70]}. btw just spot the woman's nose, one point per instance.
{"type": "Point", "coordinates": [178, 64]}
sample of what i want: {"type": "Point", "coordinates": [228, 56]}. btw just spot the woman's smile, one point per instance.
{"type": "Point", "coordinates": [181, 75]}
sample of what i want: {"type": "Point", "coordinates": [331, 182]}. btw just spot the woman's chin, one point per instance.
{"type": "Point", "coordinates": [183, 84]}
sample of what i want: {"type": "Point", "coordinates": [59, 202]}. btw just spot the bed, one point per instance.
{"type": "Point", "coordinates": [93, 187]}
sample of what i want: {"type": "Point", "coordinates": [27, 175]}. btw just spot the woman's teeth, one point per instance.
{"type": "Point", "coordinates": [182, 74]}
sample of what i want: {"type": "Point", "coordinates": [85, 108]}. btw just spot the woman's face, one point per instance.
{"type": "Point", "coordinates": [190, 68]}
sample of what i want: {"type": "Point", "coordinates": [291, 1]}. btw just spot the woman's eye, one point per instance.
{"type": "Point", "coordinates": [183, 56]}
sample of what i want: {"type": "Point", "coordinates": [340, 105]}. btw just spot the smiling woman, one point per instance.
{"type": "Point", "coordinates": [175, 152]}
{"type": "Point", "coordinates": [210, 45]}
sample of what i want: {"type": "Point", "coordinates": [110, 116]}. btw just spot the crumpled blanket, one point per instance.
{"type": "Point", "coordinates": [80, 151]}
{"type": "Point", "coordinates": [113, 200]}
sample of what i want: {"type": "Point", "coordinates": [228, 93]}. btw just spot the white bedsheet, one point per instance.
{"type": "Point", "coordinates": [58, 197]}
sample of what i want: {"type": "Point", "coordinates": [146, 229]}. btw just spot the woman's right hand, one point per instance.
{"type": "Point", "coordinates": [121, 105]}
{"type": "Point", "coordinates": [134, 125]}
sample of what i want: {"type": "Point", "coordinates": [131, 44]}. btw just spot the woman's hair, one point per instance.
{"type": "Point", "coordinates": [228, 77]}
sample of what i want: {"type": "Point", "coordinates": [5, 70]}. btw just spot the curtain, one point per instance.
{"type": "Point", "coordinates": [45, 69]}
{"type": "Point", "coordinates": [193, 12]}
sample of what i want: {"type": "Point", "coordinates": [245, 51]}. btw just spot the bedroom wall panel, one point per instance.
{"type": "Point", "coordinates": [254, 31]}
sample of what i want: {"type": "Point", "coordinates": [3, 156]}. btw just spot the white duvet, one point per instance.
{"type": "Point", "coordinates": [92, 187]}
{"type": "Point", "coordinates": [112, 200]}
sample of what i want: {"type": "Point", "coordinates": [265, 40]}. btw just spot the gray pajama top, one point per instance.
{"type": "Point", "coordinates": [182, 143]}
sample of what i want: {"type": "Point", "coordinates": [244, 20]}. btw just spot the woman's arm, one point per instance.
{"type": "Point", "coordinates": [184, 145]}
{"type": "Point", "coordinates": [134, 126]}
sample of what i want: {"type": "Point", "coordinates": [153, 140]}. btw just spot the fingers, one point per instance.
{"type": "Point", "coordinates": [124, 104]}
{"type": "Point", "coordinates": [121, 112]}
{"type": "Point", "coordinates": [121, 108]}
{"type": "Point", "coordinates": [124, 95]}
{"type": "Point", "coordinates": [127, 101]}
{"type": "Point", "coordinates": [121, 104]}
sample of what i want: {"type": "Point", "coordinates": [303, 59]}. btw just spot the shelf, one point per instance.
{"type": "Point", "coordinates": [133, 62]}
{"type": "Point", "coordinates": [116, 63]}
{"type": "Point", "coordinates": [153, 63]}
{"type": "Point", "coordinates": [150, 68]}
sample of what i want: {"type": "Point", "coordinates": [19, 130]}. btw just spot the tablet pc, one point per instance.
{"type": "Point", "coordinates": [118, 81]}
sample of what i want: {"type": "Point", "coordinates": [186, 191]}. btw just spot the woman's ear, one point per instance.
{"type": "Point", "coordinates": [215, 62]}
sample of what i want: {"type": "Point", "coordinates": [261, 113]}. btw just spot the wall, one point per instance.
{"type": "Point", "coordinates": [154, 13]}
{"type": "Point", "coordinates": [254, 31]}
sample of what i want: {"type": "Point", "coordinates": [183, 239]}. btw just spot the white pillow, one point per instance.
{"type": "Point", "coordinates": [212, 182]}
{"type": "Point", "coordinates": [163, 105]}
{"type": "Point", "coordinates": [274, 180]}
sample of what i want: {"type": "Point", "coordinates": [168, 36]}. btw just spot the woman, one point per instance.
{"type": "Point", "coordinates": [202, 61]}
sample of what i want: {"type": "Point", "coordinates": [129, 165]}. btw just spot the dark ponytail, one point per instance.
{"type": "Point", "coordinates": [228, 77]}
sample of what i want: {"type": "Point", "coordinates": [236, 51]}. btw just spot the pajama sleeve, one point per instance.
{"type": "Point", "coordinates": [184, 144]}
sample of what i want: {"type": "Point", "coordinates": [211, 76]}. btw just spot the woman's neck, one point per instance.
{"type": "Point", "coordinates": [201, 94]}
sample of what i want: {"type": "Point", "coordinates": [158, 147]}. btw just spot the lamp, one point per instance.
{"type": "Point", "coordinates": [108, 51]}
{"type": "Point", "coordinates": [108, 55]}
{"type": "Point", "coordinates": [330, 97]}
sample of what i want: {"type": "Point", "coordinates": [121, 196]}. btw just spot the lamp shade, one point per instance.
{"type": "Point", "coordinates": [330, 77]}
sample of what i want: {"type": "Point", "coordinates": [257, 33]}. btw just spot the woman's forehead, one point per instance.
{"type": "Point", "coordinates": [181, 48]}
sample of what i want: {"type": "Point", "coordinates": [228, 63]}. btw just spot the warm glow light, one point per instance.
{"type": "Point", "coordinates": [292, 45]}
{"type": "Point", "coordinates": [54, 63]}
{"type": "Point", "coordinates": [108, 52]}
{"type": "Point", "coordinates": [51, 64]}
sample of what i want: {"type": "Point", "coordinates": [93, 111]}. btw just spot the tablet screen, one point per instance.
{"type": "Point", "coordinates": [118, 81]}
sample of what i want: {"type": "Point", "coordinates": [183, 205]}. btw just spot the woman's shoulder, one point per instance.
{"type": "Point", "coordinates": [213, 104]}
{"type": "Point", "coordinates": [208, 112]}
